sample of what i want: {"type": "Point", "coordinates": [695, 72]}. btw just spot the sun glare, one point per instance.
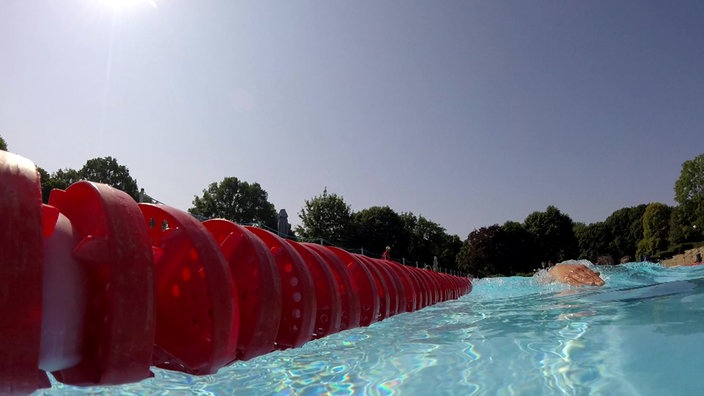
{"type": "Point", "coordinates": [120, 5]}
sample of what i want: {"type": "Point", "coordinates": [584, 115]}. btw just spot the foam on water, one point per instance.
{"type": "Point", "coordinates": [640, 334]}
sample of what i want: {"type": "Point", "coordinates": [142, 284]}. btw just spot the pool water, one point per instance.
{"type": "Point", "coordinates": [640, 334]}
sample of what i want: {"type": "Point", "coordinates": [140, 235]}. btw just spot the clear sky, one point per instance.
{"type": "Point", "coordinates": [469, 113]}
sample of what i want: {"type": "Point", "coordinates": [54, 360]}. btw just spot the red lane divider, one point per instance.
{"type": "Point", "coordinates": [64, 304]}
{"type": "Point", "coordinates": [421, 288]}
{"type": "Point", "coordinates": [428, 287]}
{"type": "Point", "coordinates": [20, 275]}
{"type": "Point", "coordinates": [97, 288]}
{"type": "Point", "coordinates": [382, 287]}
{"type": "Point", "coordinates": [298, 292]}
{"type": "Point", "coordinates": [431, 286]}
{"type": "Point", "coordinates": [197, 320]}
{"type": "Point", "coordinates": [327, 295]}
{"type": "Point", "coordinates": [409, 289]}
{"type": "Point", "coordinates": [117, 265]}
{"type": "Point", "coordinates": [366, 286]}
{"type": "Point", "coordinates": [256, 276]}
{"type": "Point", "coordinates": [392, 286]}
{"type": "Point", "coordinates": [346, 287]}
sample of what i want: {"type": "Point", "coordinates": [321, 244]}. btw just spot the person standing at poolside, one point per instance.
{"type": "Point", "coordinates": [387, 254]}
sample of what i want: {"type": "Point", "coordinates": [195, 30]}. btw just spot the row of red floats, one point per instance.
{"type": "Point", "coordinates": [96, 288]}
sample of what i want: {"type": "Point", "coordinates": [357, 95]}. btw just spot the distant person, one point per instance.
{"type": "Point", "coordinates": [387, 254]}
{"type": "Point", "coordinates": [574, 274]}
{"type": "Point", "coordinates": [436, 266]}
{"type": "Point", "coordinates": [699, 258]}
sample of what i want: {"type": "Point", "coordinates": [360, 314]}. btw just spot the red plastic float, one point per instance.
{"type": "Point", "coordinates": [366, 286]}
{"type": "Point", "coordinates": [386, 283]}
{"type": "Point", "coordinates": [431, 285]}
{"type": "Point", "coordinates": [20, 275]}
{"type": "Point", "coordinates": [197, 320]}
{"type": "Point", "coordinates": [382, 288]}
{"type": "Point", "coordinates": [397, 281]}
{"type": "Point", "coordinates": [258, 283]}
{"type": "Point", "coordinates": [347, 289]}
{"type": "Point", "coordinates": [408, 286]}
{"type": "Point", "coordinates": [116, 263]}
{"type": "Point", "coordinates": [298, 292]}
{"type": "Point", "coordinates": [149, 284]}
{"type": "Point", "coordinates": [327, 295]}
{"type": "Point", "coordinates": [420, 287]}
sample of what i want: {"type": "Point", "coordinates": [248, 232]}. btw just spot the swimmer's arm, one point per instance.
{"type": "Point", "coordinates": [575, 275]}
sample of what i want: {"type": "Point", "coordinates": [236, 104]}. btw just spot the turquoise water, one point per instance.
{"type": "Point", "coordinates": [640, 334]}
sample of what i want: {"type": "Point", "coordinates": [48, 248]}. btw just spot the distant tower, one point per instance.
{"type": "Point", "coordinates": [283, 226]}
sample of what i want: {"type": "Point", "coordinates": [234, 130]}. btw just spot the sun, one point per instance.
{"type": "Point", "coordinates": [121, 5]}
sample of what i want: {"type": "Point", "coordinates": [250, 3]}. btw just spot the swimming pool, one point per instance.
{"type": "Point", "coordinates": [638, 335]}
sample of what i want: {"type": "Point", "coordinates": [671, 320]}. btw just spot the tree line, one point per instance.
{"type": "Point", "coordinates": [648, 231]}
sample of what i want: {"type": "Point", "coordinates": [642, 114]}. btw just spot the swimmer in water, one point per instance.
{"type": "Point", "coordinates": [574, 274]}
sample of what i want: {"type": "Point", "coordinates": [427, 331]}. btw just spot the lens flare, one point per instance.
{"type": "Point", "coordinates": [120, 5]}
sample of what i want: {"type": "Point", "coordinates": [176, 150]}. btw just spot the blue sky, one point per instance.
{"type": "Point", "coordinates": [469, 113]}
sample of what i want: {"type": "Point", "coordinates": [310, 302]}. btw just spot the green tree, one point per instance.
{"type": "Point", "coordinates": [689, 194]}
{"type": "Point", "coordinates": [426, 239]}
{"type": "Point", "coordinates": [681, 228]}
{"type": "Point", "coordinates": [44, 178]}
{"type": "Point", "coordinates": [60, 179]}
{"type": "Point", "coordinates": [482, 252]}
{"type": "Point", "coordinates": [325, 217]}
{"type": "Point", "coordinates": [594, 240]}
{"type": "Point", "coordinates": [553, 233]}
{"type": "Point", "coordinates": [378, 227]}
{"type": "Point", "coordinates": [108, 171]}
{"type": "Point", "coordinates": [656, 230]}
{"type": "Point", "coordinates": [237, 201]}
{"type": "Point", "coordinates": [3, 144]}
{"type": "Point", "coordinates": [450, 248]}
{"type": "Point", "coordinates": [626, 229]}
{"type": "Point", "coordinates": [498, 250]}
{"type": "Point", "coordinates": [519, 249]}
